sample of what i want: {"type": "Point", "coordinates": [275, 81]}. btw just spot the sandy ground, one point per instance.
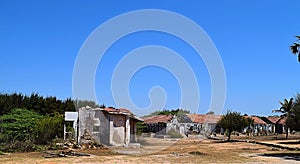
{"type": "Point", "coordinates": [187, 150]}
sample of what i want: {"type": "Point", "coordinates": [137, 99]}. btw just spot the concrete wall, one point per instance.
{"type": "Point", "coordinates": [118, 135]}
{"type": "Point", "coordinates": [104, 129]}
{"type": "Point", "coordinates": [96, 123]}
{"type": "Point", "coordinates": [85, 122]}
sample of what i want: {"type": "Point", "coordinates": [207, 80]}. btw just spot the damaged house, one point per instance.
{"type": "Point", "coordinates": [108, 126]}
{"type": "Point", "coordinates": [189, 123]}
{"type": "Point", "coordinates": [204, 123]}
{"type": "Point", "coordinates": [157, 123]}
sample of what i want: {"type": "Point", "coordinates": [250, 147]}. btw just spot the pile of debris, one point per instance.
{"type": "Point", "coordinates": [88, 142]}
{"type": "Point", "coordinates": [64, 154]}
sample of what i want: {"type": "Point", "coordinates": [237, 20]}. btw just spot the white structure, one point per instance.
{"type": "Point", "coordinates": [73, 117]}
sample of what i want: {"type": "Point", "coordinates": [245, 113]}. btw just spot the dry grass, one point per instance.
{"type": "Point", "coordinates": [183, 151]}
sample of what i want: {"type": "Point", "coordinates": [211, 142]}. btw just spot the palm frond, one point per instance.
{"type": "Point", "coordinates": [283, 109]}
{"type": "Point", "coordinates": [290, 104]}
{"type": "Point", "coordinates": [286, 101]}
{"type": "Point", "coordinates": [281, 103]}
{"type": "Point", "coordinates": [294, 48]}
{"type": "Point", "coordinates": [276, 111]}
{"type": "Point", "coordinates": [283, 115]}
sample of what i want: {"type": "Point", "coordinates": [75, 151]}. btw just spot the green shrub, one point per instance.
{"type": "Point", "coordinates": [18, 125]}
{"type": "Point", "coordinates": [18, 146]}
{"type": "Point", "coordinates": [140, 127]}
{"type": "Point", "coordinates": [21, 129]}
{"type": "Point", "coordinates": [48, 128]}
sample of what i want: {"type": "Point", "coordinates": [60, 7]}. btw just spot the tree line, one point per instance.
{"type": "Point", "coordinates": [27, 121]}
{"type": "Point", "coordinates": [35, 102]}
{"type": "Point", "coordinates": [40, 104]}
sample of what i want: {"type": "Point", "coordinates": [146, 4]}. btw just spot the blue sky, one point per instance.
{"type": "Point", "coordinates": [40, 40]}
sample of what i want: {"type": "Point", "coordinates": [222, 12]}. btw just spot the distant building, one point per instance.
{"type": "Point", "coordinates": [204, 123]}
{"type": "Point", "coordinates": [259, 126]}
{"type": "Point", "coordinates": [189, 123]}
{"type": "Point", "coordinates": [278, 124]}
{"type": "Point", "coordinates": [157, 123]}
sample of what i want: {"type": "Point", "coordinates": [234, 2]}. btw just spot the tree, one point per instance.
{"type": "Point", "coordinates": [84, 103]}
{"type": "Point", "coordinates": [295, 47]}
{"type": "Point", "coordinates": [170, 112]}
{"type": "Point", "coordinates": [211, 112]}
{"type": "Point", "coordinates": [47, 128]}
{"type": "Point", "coordinates": [34, 102]}
{"type": "Point", "coordinates": [233, 121]}
{"type": "Point", "coordinates": [294, 120]}
{"type": "Point", "coordinates": [286, 110]}
{"type": "Point", "coordinates": [18, 125]}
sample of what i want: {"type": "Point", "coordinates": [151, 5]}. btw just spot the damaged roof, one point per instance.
{"type": "Point", "coordinates": [120, 111]}
{"type": "Point", "coordinates": [157, 118]}
{"type": "Point", "coordinates": [117, 111]}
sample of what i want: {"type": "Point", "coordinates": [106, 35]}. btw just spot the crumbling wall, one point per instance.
{"type": "Point", "coordinates": [85, 123]}
{"type": "Point", "coordinates": [94, 122]}
{"type": "Point", "coordinates": [104, 131]}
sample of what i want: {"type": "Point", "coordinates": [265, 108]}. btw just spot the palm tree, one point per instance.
{"type": "Point", "coordinates": [295, 48]}
{"type": "Point", "coordinates": [286, 110]}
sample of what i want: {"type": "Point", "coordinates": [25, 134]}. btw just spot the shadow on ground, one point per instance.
{"type": "Point", "coordinates": [290, 142]}
{"type": "Point", "coordinates": [288, 156]}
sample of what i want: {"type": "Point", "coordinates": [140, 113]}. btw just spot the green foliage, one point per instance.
{"type": "Point", "coordinates": [293, 119]}
{"type": "Point", "coordinates": [18, 146]}
{"type": "Point", "coordinates": [18, 125]}
{"type": "Point", "coordinates": [233, 121]}
{"type": "Point", "coordinates": [47, 128]}
{"type": "Point", "coordinates": [21, 129]}
{"type": "Point", "coordinates": [84, 103]}
{"type": "Point", "coordinates": [34, 102]}
{"type": "Point", "coordinates": [295, 47]}
{"type": "Point", "coordinates": [170, 112]}
{"type": "Point", "coordinates": [211, 112]}
{"type": "Point", "coordinates": [140, 126]}
{"type": "Point", "coordinates": [286, 109]}
{"type": "Point", "coordinates": [174, 134]}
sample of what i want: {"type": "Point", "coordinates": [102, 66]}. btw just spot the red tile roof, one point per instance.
{"type": "Point", "coordinates": [158, 118]}
{"type": "Point", "coordinates": [274, 120]}
{"type": "Point", "coordinates": [114, 110]}
{"type": "Point", "coordinates": [256, 120]}
{"type": "Point", "coordinates": [204, 118]}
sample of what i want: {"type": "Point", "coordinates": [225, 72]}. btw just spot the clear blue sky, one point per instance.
{"type": "Point", "coordinates": [40, 40]}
